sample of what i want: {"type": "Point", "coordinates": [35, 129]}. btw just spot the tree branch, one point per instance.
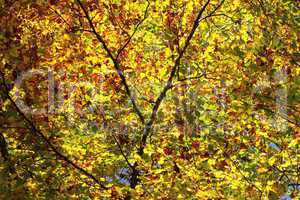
{"type": "Point", "coordinates": [39, 133]}
{"type": "Point", "coordinates": [122, 152]}
{"type": "Point", "coordinates": [168, 86]}
{"type": "Point", "coordinates": [116, 63]}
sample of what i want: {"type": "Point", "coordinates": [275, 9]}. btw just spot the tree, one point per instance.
{"type": "Point", "coordinates": [149, 99]}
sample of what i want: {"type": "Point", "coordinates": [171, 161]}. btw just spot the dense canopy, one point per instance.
{"type": "Point", "coordinates": [149, 99]}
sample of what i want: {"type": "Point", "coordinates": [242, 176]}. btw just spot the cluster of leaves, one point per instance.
{"type": "Point", "coordinates": [115, 99]}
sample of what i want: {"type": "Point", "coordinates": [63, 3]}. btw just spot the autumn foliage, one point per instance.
{"type": "Point", "coordinates": [149, 99]}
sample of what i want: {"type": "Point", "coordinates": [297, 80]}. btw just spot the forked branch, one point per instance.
{"type": "Point", "coordinates": [168, 86]}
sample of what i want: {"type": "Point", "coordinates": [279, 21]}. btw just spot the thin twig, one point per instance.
{"type": "Point", "coordinates": [59, 15]}
{"type": "Point", "coordinates": [135, 30]}
{"type": "Point", "coordinates": [192, 78]}
{"type": "Point", "coordinates": [242, 174]}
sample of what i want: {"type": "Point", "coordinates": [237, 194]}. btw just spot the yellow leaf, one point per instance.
{"type": "Point", "coordinates": [262, 170]}
{"type": "Point", "coordinates": [271, 160]}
